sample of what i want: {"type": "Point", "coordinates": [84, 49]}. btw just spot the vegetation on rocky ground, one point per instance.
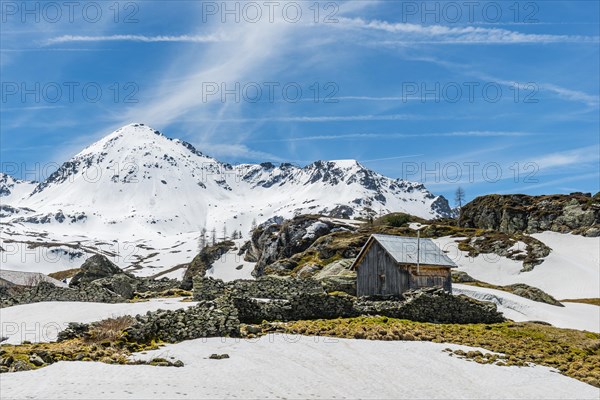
{"type": "Point", "coordinates": [577, 213]}
{"type": "Point", "coordinates": [68, 273]}
{"type": "Point", "coordinates": [346, 244]}
{"type": "Point", "coordinates": [203, 261]}
{"type": "Point", "coordinates": [104, 342]}
{"type": "Point", "coordinates": [168, 293]}
{"type": "Point", "coordinates": [574, 353]}
{"type": "Point", "coordinates": [594, 301]}
{"type": "Point", "coordinates": [522, 290]}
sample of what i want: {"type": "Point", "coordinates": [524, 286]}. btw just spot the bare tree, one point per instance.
{"type": "Point", "coordinates": [224, 231]}
{"type": "Point", "coordinates": [253, 226]}
{"type": "Point", "coordinates": [202, 240]}
{"type": "Point", "coordinates": [213, 236]}
{"type": "Point", "coordinates": [459, 197]}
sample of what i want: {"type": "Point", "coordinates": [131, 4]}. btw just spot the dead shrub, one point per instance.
{"type": "Point", "coordinates": [110, 329]}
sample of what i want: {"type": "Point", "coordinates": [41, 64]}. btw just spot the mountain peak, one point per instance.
{"type": "Point", "coordinates": [134, 131]}
{"type": "Point", "coordinates": [137, 128]}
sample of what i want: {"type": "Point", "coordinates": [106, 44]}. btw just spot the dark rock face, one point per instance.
{"type": "Point", "coordinates": [461, 277]}
{"type": "Point", "coordinates": [503, 244]}
{"type": "Point", "coordinates": [121, 284]}
{"type": "Point", "coordinates": [577, 213]}
{"type": "Point", "coordinates": [271, 246]}
{"type": "Point", "coordinates": [203, 261]}
{"type": "Point", "coordinates": [95, 267]}
{"type": "Point", "coordinates": [533, 293]}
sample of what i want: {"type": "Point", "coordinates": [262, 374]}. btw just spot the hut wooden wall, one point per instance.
{"type": "Point", "coordinates": [430, 276]}
{"type": "Point", "coordinates": [378, 274]}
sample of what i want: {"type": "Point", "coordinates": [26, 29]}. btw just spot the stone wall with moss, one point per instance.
{"type": "Point", "coordinates": [288, 299]}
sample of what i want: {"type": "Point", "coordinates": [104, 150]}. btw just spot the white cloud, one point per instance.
{"type": "Point", "coordinates": [236, 151]}
{"type": "Point", "coordinates": [576, 157]}
{"type": "Point", "coordinates": [212, 38]}
{"type": "Point", "coordinates": [408, 33]}
{"type": "Point", "coordinates": [392, 135]}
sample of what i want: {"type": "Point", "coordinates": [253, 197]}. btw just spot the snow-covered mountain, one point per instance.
{"type": "Point", "coordinates": [139, 187]}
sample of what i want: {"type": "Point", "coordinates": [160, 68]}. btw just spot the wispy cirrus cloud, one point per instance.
{"type": "Point", "coordinates": [237, 151]}
{"type": "Point", "coordinates": [211, 38]}
{"type": "Point", "coordinates": [568, 158]}
{"type": "Point", "coordinates": [334, 118]}
{"type": "Point", "coordinates": [409, 33]}
{"type": "Point", "coordinates": [369, 136]}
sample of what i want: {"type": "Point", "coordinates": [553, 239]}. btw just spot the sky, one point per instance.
{"type": "Point", "coordinates": [495, 97]}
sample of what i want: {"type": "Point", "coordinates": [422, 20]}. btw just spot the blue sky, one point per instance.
{"type": "Point", "coordinates": [502, 97]}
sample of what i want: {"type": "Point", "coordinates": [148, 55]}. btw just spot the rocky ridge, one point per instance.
{"type": "Point", "coordinates": [577, 213]}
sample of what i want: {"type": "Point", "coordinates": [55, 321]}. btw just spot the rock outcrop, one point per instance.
{"type": "Point", "coordinates": [95, 267]}
{"type": "Point", "coordinates": [272, 245]}
{"type": "Point", "coordinates": [578, 213]}
{"type": "Point", "coordinates": [203, 261]}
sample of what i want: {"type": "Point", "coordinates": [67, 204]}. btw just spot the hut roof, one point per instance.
{"type": "Point", "coordinates": [404, 250]}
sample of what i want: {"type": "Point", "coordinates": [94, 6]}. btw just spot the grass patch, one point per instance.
{"type": "Point", "coordinates": [110, 329]}
{"type": "Point", "coordinates": [104, 342]}
{"type": "Point", "coordinates": [168, 293]}
{"type": "Point", "coordinates": [66, 274]}
{"type": "Point", "coordinates": [594, 301]}
{"type": "Point", "coordinates": [574, 353]}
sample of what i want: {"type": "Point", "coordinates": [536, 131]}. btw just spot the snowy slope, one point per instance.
{"type": "Point", "coordinates": [279, 366]}
{"type": "Point", "coordinates": [572, 270]}
{"type": "Point", "coordinates": [572, 315]}
{"type": "Point", "coordinates": [136, 193]}
{"type": "Point", "coordinates": [41, 322]}
{"type": "Point", "coordinates": [13, 190]}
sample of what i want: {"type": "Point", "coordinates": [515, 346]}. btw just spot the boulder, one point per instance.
{"type": "Point", "coordinates": [121, 284]}
{"type": "Point", "coordinates": [95, 267]}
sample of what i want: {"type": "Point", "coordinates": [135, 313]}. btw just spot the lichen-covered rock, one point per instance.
{"type": "Point", "coordinates": [533, 293]}
{"type": "Point", "coordinates": [577, 212]}
{"type": "Point", "coordinates": [95, 267]}
{"type": "Point", "coordinates": [461, 277]}
{"type": "Point", "coordinates": [121, 284]}
{"type": "Point", "coordinates": [272, 245]}
{"type": "Point", "coordinates": [337, 277]}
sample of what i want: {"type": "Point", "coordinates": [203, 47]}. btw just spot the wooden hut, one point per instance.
{"type": "Point", "coordinates": [390, 265]}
